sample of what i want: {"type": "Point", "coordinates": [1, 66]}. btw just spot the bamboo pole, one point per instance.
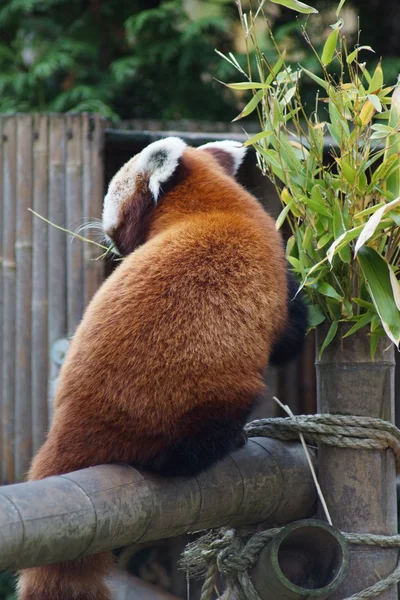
{"type": "Point", "coordinates": [359, 485]}
{"type": "Point", "coordinates": [93, 194]}
{"type": "Point", "coordinates": [9, 278]}
{"type": "Point", "coordinates": [2, 392]}
{"type": "Point", "coordinates": [74, 213]}
{"type": "Point", "coordinates": [23, 250]}
{"type": "Point", "coordinates": [39, 282]}
{"type": "Point", "coordinates": [109, 506]}
{"type": "Point", "coordinates": [57, 289]}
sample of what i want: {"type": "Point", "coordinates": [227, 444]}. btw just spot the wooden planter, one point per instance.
{"type": "Point", "coordinates": [359, 485]}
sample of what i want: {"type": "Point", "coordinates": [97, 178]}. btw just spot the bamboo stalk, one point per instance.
{"type": "Point", "coordinates": [23, 246]}
{"type": "Point", "coordinates": [9, 284]}
{"type": "Point", "coordinates": [57, 289]}
{"type": "Point", "coordinates": [109, 506]}
{"type": "Point", "coordinates": [74, 213]}
{"type": "Point", "coordinates": [93, 193]}
{"type": "Point", "coordinates": [359, 486]}
{"type": "Point", "coordinates": [2, 392]}
{"type": "Point", "coordinates": [39, 283]}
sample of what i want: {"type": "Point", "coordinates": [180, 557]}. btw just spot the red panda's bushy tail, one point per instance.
{"type": "Point", "coordinates": [80, 579]}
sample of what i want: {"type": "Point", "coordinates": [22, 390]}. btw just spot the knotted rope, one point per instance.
{"type": "Point", "coordinates": [234, 553]}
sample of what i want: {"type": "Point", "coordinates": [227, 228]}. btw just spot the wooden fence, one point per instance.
{"type": "Point", "coordinates": [54, 165]}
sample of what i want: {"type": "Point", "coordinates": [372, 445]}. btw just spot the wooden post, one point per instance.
{"type": "Point", "coordinates": [23, 249]}
{"type": "Point", "coordinates": [9, 278]}
{"type": "Point", "coordinates": [57, 288]}
{"type": "Point", "coordinates": [40, 349]}
{"type": "Point", "coordinates": [93, 193]}
{"type": "Point", "coordinates": [359, 485]}
{"type": "Point", "coordinates": [74, 213]}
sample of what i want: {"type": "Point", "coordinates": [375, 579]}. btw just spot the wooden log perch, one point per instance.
{"type": "Point", "coordinates": [109, 506]}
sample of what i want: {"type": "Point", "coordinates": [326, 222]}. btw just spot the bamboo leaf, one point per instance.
{"type": "Point", "coordinates": [283, 214]}
{"type": "Point", "coordinates": [373, 222]}
{"type": "Point", "coordinates": [296, 5]}
{"type": "Point", "coordinates": [329, 338]}
{"type": "Point", "coordinates": [377, 274]}
{"type": "Point", "coordinates": [395, 287]}
{"type": "Point", "coordinates": [330, 47]}
{"type": "Point", "coordinates": [251, 106]}
{"type": "Point", "coordinates": [342, 241]}
{"type": "Point", "coordinates": [362, 322]}
{"type": "Point", "coordinates": [373, 98]}
{"type": "Point", "coordinates": [324, 84]}
{"type": "Point", "coordinates": [258, 137]}
{"type": "Point", "coordinates": [315, 316]}
{"type": "Point", "coordinates": [246, 85]}
{"type": "Point", "coordinates": [275, 69]}
{"type": "Point", "coordinates": [377, 80]}
{"type": "Point", "coordinates": [355, 52]}
{"type": "Point", "coordinates": [327, 290]}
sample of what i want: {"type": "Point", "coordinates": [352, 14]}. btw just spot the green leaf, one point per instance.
{"type": "Point", "coordinates": [246, 85]}
{"type": "Point", "coordinates": [373, 222]}
{"type": "Point", "coordinates": [324, 84]}
{"type": "Point", "coordinates": [376, 103]}
{"type": "Point", "coordinates": [275, 69]}
{"type": "Point", "coordinates": [377, 80]}
{"type": "Point", "coordinates": [283, 214]}
{"type": "Point", "coordinates": [258, 137]}
{"type": "Point", "coordinates": [315, 316]}
{"type": "Point", "coordinates": [377, 275]}
{"type": "Point", "coordinates": [296, 264]}
{"type": "Point", "coordinates": [327, 290]}
{"type": "Point", "coordinates": [251, 106]}
{"type": "Point", "coordinates": [296, 5]}
{"type": "Point", "coordinates": [329, 338]}
{"type": "Point", "coordinates": [361, 322]}
{"type": "Point", "coordinates": [364, 303]}
{"type": "Point", "coordinates": [355, 52]}
{"type": "Point", "coordinates": [330, 47]}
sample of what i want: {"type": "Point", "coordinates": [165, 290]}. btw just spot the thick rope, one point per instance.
{"type": "Point", "coordinates": [341, 431]}
{"type": "Point", "coordinates": [233, 554]}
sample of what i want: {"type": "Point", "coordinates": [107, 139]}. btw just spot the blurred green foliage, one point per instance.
{"type": "Point", "coordinates": [7, 583]}
{"type": "Point", "coordinates": [155, 58]}
{"type": "Point", "coordinates": [125, 58]}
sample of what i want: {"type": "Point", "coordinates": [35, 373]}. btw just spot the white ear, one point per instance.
{"type": "Point", "coordinates": [235, 149]}
{"type": "Point", "coordinates": [159, 160]}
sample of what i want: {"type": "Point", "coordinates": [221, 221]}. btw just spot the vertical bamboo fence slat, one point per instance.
{"type": "Point", "coordinates": [9, 279]}
{"type": "Point", "coordinates": [57, 291]}
{"type": "Point", "coordinates": [74, 213]}
{"type": "Point", "coordinates": [23, 251]}
{"type": "Point", "coordinates": [1, 285]}
{"type": "Point", "coordinates": [39, 345]}
{"type": "Point", "coordinates": [93, 185]}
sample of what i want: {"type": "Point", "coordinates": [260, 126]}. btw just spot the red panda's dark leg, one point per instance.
{"type": "Point", "coordinates": [203, 444]}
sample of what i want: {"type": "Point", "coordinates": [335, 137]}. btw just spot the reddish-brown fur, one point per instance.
{"type": "Point", "coordinates": [178, 335]}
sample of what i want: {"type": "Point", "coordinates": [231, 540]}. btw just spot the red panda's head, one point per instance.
{"type": "Point", "coordinates": [137, 188]}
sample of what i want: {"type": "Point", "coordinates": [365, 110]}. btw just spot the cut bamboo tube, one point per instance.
{"type": "Point", "coordinates": [23, 250]}
{"type": "Point", "coordinates": [109, 506]}
{"type": "Point", "coordinates": [57, 289]}
{"type": "Point", "coordinates": [39, 282]}
{"type": "Point", "coordinates": [9, 279]}
{"type": "Point", "coordinates": [359, 485]}
{"type": "Point", "coordinates": [74, 213]}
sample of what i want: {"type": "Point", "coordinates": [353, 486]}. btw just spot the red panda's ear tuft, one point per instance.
{"type": "Point", "coordinates": [134, 191]}
{"type": "Point", "coordinates": [228, 153]}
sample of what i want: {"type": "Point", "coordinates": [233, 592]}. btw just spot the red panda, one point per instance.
{"type": "Point", "coordinates": [169, 358]}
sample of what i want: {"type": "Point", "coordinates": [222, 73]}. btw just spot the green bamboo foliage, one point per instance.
{"type": "Point", "coordinates": [344, 213]}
